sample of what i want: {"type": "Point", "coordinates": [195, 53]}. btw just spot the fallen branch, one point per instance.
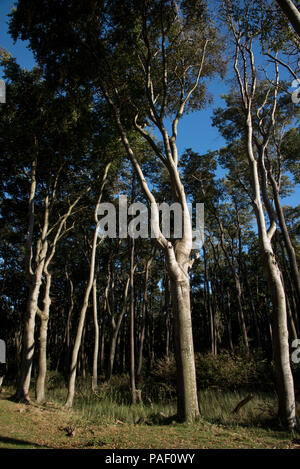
{"type": "Point", "coordinates": [242, 403]}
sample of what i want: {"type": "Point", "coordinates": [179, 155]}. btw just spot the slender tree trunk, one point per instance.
{"type": "Point", "coordinates": [144, 312]}
{"type": "Point", "coordinates": [102, 345]}
{"type": "Point", "coordinates": [286, 238]}
{"type": "Point", "coordinates": [291, 12]}
{"type": "Point", "coordinates": [229, 325]}
{"type": "Point", "coordinates": [34, 286]}
{"type": "Point", "coordinates": [284, 377]}
{"type": "Point", "coordinates": [74, 360]}
{"type": "Point", "coordinates": [238, 289]}
{"type": "Point", "coordinates": [67, 343]}
{"type": "Point", "coordinates": [116, 328]}
{"type": "Point", "coordinates": [44, 314]}
{"type": "Point", "coordinates": [178, 256]}
{"type": "Point", "coordinates": [96, 340]}
{"type": "Point", "coordinates": [29, 329]}
{"type": "Point", "coordinates": [132, 328]}
{"type": "Point", "coordinates": [44, 317]}
{"type": "Point", "coordinates": [213, 308]}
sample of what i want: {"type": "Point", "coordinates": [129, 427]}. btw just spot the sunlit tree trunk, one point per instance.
{"type": "Point", "coordinates": [35, 279]}
{"type": "Point", "coordinates": [96, 340]}
{"type": "Point", "coordinates": [74, 359]}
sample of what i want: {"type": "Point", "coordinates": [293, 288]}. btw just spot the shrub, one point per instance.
{"type": "Point", "coordinates": [226, 371]}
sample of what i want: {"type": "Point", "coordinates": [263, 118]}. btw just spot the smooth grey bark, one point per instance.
{"type": "Point", "coordinates": [115, 330]}
{"type": "Point", "coordinates": [42, 367]}
{"type": "Point", "coordinates": [74, 359]}
{"type": "Point", "coordinates": [177, 255]}
{"type": "Point", "coordinates": [247, 87]}
{"type": "Point", "coordinates": [45, 312]}
{"type": "Point", "coordinates": [187, 407]}
{"type": "Point", "coordinates": [134, 394]}
{"type": "Point", "coordinates": [178, 262]}
{"type": "Point", "coordinates": [286, 238]}
{"type": "Point", "coordinates": [96, 339]}
{"type": "Point", "coordinates": [35, 279]}
{"type": "Point", "coordinates": [291, 12]}
{"type": "Point", "coordinates": [144, 308]}
{"type": "Point", "coordinates": [284, 378]}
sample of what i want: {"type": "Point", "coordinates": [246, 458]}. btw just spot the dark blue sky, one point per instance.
{"type": "Point", "coordinates": [195, 130]}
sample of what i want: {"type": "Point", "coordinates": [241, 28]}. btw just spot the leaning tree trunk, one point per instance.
{"type": "Point", "coordinates": [178, 256]}
{"type": "Point", "coordinates": [284, 377]}
{"type": "Point", "coordinates": [28, 341]}
{"type": "Point", "coordinates": [74, 359]}
{"type": "Point", "coordinates": [286, 238]}
{"type": "Point", "coordinates": [291, 12]}
{"type": "Point", "coordinates": [258, 179]}
{"type": "Point", "coordinates": [44, 314]}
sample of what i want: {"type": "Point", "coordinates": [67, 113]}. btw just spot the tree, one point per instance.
{"type": "Point", "coordinates": [291, 12]}
{"type": "Point", "coordinates": [246, 75]}
{"type": "Point", "coordinates": [172, 51]}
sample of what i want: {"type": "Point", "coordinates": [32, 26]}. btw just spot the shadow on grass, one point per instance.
{"type": "Point", "coordinates": [17, 443]}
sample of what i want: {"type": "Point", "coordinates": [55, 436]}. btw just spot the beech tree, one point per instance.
{"type": "Point", "coordinates": [246, 75]}
{"type": "Point", "coordinates": [174, 46]}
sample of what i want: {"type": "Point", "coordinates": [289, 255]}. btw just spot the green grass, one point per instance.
{"type": "Point", "coordinates": [112, 403]}
{"type": "Point", "coordinates": [107, 421]}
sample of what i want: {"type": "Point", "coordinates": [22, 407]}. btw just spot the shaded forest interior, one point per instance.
{"type": "Point", "coordinates": [98, 117]}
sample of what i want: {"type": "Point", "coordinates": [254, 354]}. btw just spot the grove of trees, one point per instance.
{"type": "Point", "coordinates": [98, 117]}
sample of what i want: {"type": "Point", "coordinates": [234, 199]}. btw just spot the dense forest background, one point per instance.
{"type": "Point", "coordinates": [97, 118]}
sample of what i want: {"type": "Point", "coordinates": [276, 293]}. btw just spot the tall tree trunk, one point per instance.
{"type": "Point", "coordinates": [238, 287]}
{"type": "Point", "coordinates": [247, 81]}
{"type": "Point", "coordinates": [291, 12]}
{"type": "Point", "coordinates": [178, 256]}
{"type": "Point", "coordinates": [74, 359]}
{"type": "Point", "coordinates": [44, 318]}
{"type": "Point", "coordinates": [144, 312]}
{"type": "Point", "coordinates": [132, 328]}
{"type": "Point", "coordinates": [284, 377]}
{"type": "Point", "coordinates": [187, 401]}
{"type": "Point", "coordinates": [286, 238]}
{"type": "Point", "coordinates": [96, 340]}
{"type": "Point", "coordinates": [44, 314]}
{"type": "Point", "coordinates": [115, 333]}
{"type": "Point", "coordinates": [22, 392]}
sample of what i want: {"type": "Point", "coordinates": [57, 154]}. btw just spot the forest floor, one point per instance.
{"type": "Point", "coordinates": [44, 426]}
